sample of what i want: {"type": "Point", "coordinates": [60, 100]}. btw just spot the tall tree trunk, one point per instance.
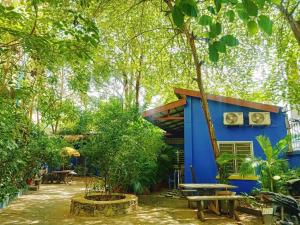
{"type": "Point", "coordinates": [204, 103]}
{"type": "Point", "coordinates": [56, 126]}
{"type": "Point", "coordinates": [295, 25]}
{"type": "Point", "coordinates": [139, 73]}
{"type": "Point", "coordinates": [138, 82]}
{"type": "Point", "coordinates": [191, 42]}
{"type": "Point", "coordinates": [126, 90]}
{"type": "Point", "coordinates": [37, 116]}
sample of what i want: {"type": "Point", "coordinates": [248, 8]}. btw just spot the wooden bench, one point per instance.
{"type": "Point", "coordinates": [188, 192]}
{"type": "Point", "coordinates": [232, 200]}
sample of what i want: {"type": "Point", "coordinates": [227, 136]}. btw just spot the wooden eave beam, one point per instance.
{"type": "Point", "coordinates": [181, 93]}
{"type": "Point", "coordinates": [164, 108]}
{"type": "Point", "coordinates": [168, 118]}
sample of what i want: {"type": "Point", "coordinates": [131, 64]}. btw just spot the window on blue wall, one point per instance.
{"type": "Point", "coordinates": [240, 149]}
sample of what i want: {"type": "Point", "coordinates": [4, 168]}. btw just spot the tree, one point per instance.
{"type": "Point", "coordinates": [124, 148]}
{"type": "Point", "coordinates": [269, 168]}
{"type": "Point", "coordinates": [182, 9]}
{"type": "Point", "coordinates": [290, 11]}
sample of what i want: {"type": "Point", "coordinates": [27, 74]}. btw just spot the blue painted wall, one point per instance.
{"type": "Point", "coordinates": [294, 159]}
{"type": "Point", "coordinates": [197, 148]}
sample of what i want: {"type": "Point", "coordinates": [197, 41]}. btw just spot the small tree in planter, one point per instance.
{"type": "Point", "coordinates": [124, 148]}
{"type": "Point", "coordinates": [271, 167]}
{"type": "Point", "coordinates": [224, 161]}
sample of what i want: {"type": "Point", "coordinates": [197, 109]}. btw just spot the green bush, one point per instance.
{"type": "Point", "coordinates": [271, 168]}
{"type": "Point", "coordinates": [23, 148]}
{"type": "Point", "coordinates": [124, 148]}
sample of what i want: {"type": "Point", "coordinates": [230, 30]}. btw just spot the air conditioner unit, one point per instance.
{"type": "Point", "coordinates": [233, 118]}
{"type": "Point", "coordinates": [259, 118]}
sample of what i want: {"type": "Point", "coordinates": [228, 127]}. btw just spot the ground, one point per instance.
{"type": "Point", "coordinates": [50, 206]}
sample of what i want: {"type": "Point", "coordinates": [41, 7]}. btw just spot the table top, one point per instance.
{"type": "Point", "coordinates": [216, 197]}
{"type": "Point", "coordinates": [62, 171]}
{"type": "Point", "coordinates": [207, 186]}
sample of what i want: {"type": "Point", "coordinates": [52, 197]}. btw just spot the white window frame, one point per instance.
{"type": "Point", "coordinates": [235, 142]}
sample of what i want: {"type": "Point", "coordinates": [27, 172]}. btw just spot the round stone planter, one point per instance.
{"type": "Point", "coordinates": [96, 204]}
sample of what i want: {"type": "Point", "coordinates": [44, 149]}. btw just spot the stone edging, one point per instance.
{"type": "Point", "coordinates": [82, 206]}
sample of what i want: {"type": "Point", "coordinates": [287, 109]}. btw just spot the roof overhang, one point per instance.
{"type": "Point", "coordinates": [168, 117]}
{"type": "Point", "coordinates": [182, 93]}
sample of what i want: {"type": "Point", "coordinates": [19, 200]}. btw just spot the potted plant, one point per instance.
{"type": "Point", "coordinates": [223, 161]}
{"type": "Point", "coordinates": [269, 168]}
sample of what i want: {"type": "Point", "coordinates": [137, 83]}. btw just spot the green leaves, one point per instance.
{"type": "Point", "coordinates": [251, 7]}
{"type": "Point", "coordinates": [220, 46]}
{"type": "Point", "coordinates": [230, 15]}
{"type": "Point", "coordinates": [213, 53]}
{"type": "Point", "coordinates": [276, 2]}
{"type": "Point", "coordinates": [215, 30]}
{"type": "Point", "coordinates": [230, 40]}
{"type": "Point", "coordinates": [252, 27]}
{"type": "Point", "coordinates": [260, 3]}
{"type": "Point", "coordinates": [183, 8]}
{"type": "Point", "coordinates": [243, 15]}
{"type": "Point", "coordinates": [265, 24]}
{"type": "Point", "coordinates": [205, 20]}
{"type": "Point", "coordinates": [218, 5]}
{"type": "Point", "coordinates": [211, 10]}
{"type": "Point", "coordinates": [189, 7]}
{"type": "Point", "coordinates": [178, 16]}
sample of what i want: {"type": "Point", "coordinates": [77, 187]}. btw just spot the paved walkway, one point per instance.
{"type": "Point", "coordinates": [50, 206]}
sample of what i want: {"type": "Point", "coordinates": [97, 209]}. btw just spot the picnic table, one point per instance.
{"type": "Point", "coordinates": [62, 176]}
{"type": "Point", "coordinates": [233, 199]}
{"type": "Point", "coordinates": [206, 190]}
{"type": "Point", "coordinates": [210, 187]}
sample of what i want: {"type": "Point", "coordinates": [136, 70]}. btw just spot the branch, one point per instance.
{"type": "Point", "coordinates": [35, 20]}
{"type": "Point", "coordinates": [146, 31]}
{"type": "Point", "coordinates": [9, 44]}
{"type": "Point", "coordinates": [295, 7]}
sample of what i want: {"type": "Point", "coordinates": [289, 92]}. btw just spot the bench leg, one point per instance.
{"type": "Point", "coordinates": [232, 210]}
{"type": "Point", "coordinates": [200, 213]}
{"type": "Point", "coordinates": [214, 207]}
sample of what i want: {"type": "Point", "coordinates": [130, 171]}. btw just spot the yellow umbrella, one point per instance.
{"type": "Point", "coordinates": [68, 151]}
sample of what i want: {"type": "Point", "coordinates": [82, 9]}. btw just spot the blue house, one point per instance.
{"type": "Point", "coordinates": [237, 123]}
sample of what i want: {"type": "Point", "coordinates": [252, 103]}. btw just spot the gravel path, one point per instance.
{"type": "Point", "coordinates": [50, 206]}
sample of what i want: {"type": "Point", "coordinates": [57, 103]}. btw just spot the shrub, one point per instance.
{"type": "Point", "coordinates": [23, 148]}
{"type": "Point", "coordinates": [125, 148]}
{"type": "Point", "coordinates": [272, 167]}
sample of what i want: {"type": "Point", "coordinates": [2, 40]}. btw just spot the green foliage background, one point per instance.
{"type": "Point", "coordinates": [125, 148]}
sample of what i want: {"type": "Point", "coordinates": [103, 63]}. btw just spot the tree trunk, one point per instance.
{"type": "Point", "coordinates": [126, 90]}
{"type": "Point", "coordinates": [295, 25]}
{"type": "Point", "coordinates": [204, 104]}
{"type": "Point", "coordinates": [138, 82]}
